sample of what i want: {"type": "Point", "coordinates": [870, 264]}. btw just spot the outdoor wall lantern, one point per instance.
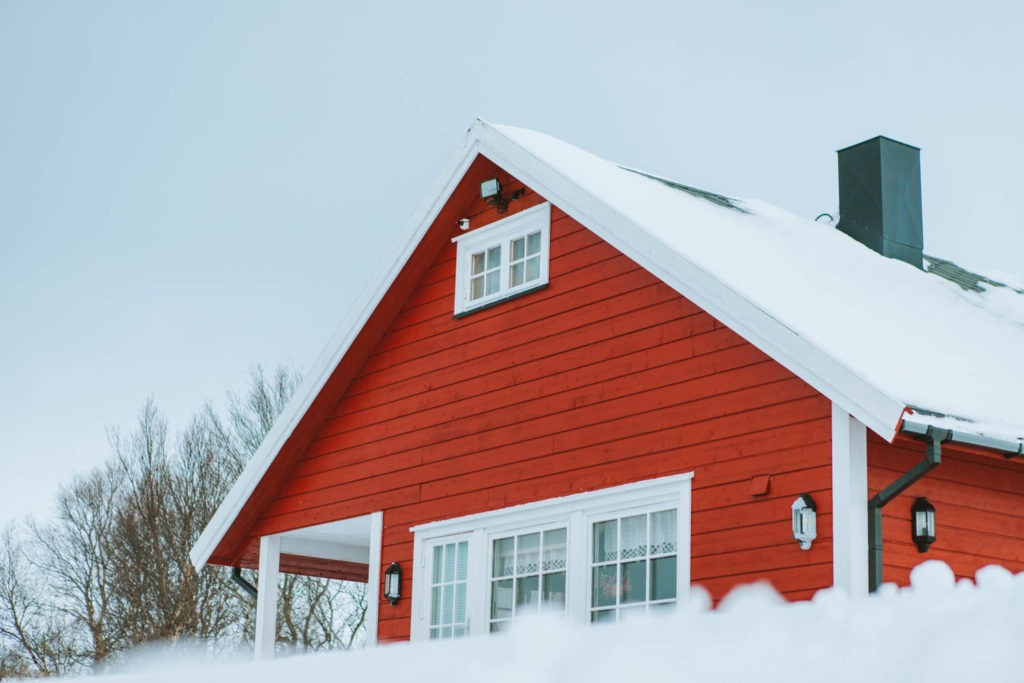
{"type": "Point", "coordinates": [805, 521]}
{"type": "Point", "coordinates": [923, 521]}
{"type": "Point", "coordinates": [393, 583]}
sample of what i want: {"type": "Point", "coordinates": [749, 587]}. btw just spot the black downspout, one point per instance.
{"type": "Point", "coordinates": [932, 457]}
{"type": "Point", "coordinates": [236, 576]}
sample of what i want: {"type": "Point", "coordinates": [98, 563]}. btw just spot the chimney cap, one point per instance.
{"type": "Point", "coordinates": [878, 137]}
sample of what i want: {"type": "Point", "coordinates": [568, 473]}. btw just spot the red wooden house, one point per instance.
{"type": "Point", "coordinates": [583, 386]}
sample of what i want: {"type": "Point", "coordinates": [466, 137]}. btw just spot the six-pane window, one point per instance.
{"type": "Point", "coordinates": [633, 566]}
{"type": "Point", "coordinates": [527, 574]}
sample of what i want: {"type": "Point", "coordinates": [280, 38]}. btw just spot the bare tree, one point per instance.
{"type": "Point", "coordinates": [35, 639]}
{"type": "Point", "coordinates": [111, 570]}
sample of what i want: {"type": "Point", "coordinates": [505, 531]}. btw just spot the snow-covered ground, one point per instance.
{"type": "Point", "coordinates": [934, 631]}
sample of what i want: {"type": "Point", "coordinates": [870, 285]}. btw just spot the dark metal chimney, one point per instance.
{"type": "Point", "coordinates": [880, 197]}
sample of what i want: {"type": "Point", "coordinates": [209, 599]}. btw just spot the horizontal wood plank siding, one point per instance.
{"type": "Point", "coordinates": [979, 509]}
{"type": "Point", "coordinates": [605, 377]}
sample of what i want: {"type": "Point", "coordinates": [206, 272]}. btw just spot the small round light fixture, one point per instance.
{"type": "Point", "coordinates": [922, 518]}
{"type": "Point", "coordinates": [805, 520]}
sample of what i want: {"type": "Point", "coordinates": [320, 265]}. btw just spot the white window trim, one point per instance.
{"type": "Point", "coordinates": [576, 512]}
{"type": "Point", "coordinates": [501, 232]}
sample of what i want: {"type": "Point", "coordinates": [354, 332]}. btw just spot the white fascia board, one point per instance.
{"type": "Point", "coordinates": [359, 313]}
{"type": "Point", "coordinates": [873, 407]}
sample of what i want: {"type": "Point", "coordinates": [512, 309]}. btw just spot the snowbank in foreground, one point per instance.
{"type": "Point", "coordinates": [934, 631]}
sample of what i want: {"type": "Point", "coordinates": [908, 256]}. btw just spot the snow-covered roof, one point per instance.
{"type": "Point", "coordinates": [879, 337]}
{"type": "Point", "coordinates": [920, 339]}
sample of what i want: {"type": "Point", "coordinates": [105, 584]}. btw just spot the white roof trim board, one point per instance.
{"type": "Point", "coordinates": [874, 335]}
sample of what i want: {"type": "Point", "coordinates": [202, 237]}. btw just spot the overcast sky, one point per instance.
{"type": "Point", "coordinates": [188, 189]}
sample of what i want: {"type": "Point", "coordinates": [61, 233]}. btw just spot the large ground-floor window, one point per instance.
{"type": "Point", "coordinates": [598, 556]}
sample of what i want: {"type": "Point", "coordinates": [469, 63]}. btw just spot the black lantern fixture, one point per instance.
{"type": "Point", "coordinates": [393, 583]}
{"type": "Point", "coordinates": [922, 517]}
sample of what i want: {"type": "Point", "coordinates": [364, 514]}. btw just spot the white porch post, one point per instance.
{"type": "Point", "coordinates": [849, 503]}
{"type": "Point", "coordinates": [373, 578]}
{"type": "Point", "coordinates": [266, 600]}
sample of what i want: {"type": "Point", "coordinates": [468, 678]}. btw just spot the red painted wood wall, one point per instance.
{"type": "Point", "coordinates": [605, 377]}
{"type": "Point", "coordinates": [979, 508]}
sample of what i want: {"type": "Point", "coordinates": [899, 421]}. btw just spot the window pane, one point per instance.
{"type": "Point", "coordinates": [605, 545]}
{"type": "Point", "coordinates": [438, 555]}
{"type": "Point", "coordinates": [663, 578]}
{"type": "Point", "coordinates": [460, 603]}
{"type": "Point", "coordinates": [446, 632]}
{"type": "Point", "coordinates": [501, 599]}
{"type": "Point", "coordinates": [634, 581]}
{"type": "Point", "coordinates": [449, 562]}
{"type": "Point", "coordinates": [515, 275]}
{"type": "Point", "coordinates": [493, 258]}
{"type": "Point", "coordinates": [435, 633]}
{"type": "Point", "coordinates": [476, 287]}
{"type": "Point", "coordinates": [463, 560]}
{"type": "Point", "coordinates": [634, 537]}
{"type": "Point", "coordinates": [459, 632]}
{"type": "Point", "coordinates": [504, 549]}
{"type": "Point", "coordinates": [606, 586]}
{"type": "Point", "coordinates": [602, 615]}
{"type": "Point", "coordinates": [527, 594]}
{"type": "Point", "coordinates": [528, 558]}
{"type": "Point", "coordinates": [553, 594]}
{"type": "Point", "coordinates": [498, 626]}
{"type": "Point", "coordinates": [554, 550]}
{"type": "Point", "coordinates": [447, 604]}
{"type": "Point", "coordinates": [476, 263]}
{"type": "Point", "coordinates": [533, 243]}
{"type": "Point", "coordinates": [663, 532]}
{"type": "Point", "coordinates": [435, 606]}
{"type": "Point", "coordinates": [518, 248]}
{"type": "Point", "coordinates": [532, 269]}
{"type": "Point", "coordinates": [492, 282]}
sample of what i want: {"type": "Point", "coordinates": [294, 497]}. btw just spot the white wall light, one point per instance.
{"type": "Point", "coordinates": [805, 521]}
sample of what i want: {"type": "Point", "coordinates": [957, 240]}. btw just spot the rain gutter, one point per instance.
{"type": "Point", "coordinates": [932, 457]}
{"type": "Point", "coordinates": [236, 576]}
{"type": "Point", "coordinates": [1008, 447]}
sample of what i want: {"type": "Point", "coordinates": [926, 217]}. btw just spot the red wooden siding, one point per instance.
{"type": "Point", "coordinates": [979, 508]}
{"type": "Point", "coordinates": [605, 377]}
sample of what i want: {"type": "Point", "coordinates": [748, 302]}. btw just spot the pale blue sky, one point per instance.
{"type": "Point", "coordinates": [190, 188]}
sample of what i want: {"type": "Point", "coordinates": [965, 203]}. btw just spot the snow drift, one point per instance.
{"type": "Point", "coordinates": [936, 630]}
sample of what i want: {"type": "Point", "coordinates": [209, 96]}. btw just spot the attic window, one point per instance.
{"type": "Point", "coordinates": [502, 260]}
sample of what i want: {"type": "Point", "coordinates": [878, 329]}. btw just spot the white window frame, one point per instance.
{"type": "Point", "coordinates": [501, 234]}
{"type": "Point", "coordinates": [577, 513]}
